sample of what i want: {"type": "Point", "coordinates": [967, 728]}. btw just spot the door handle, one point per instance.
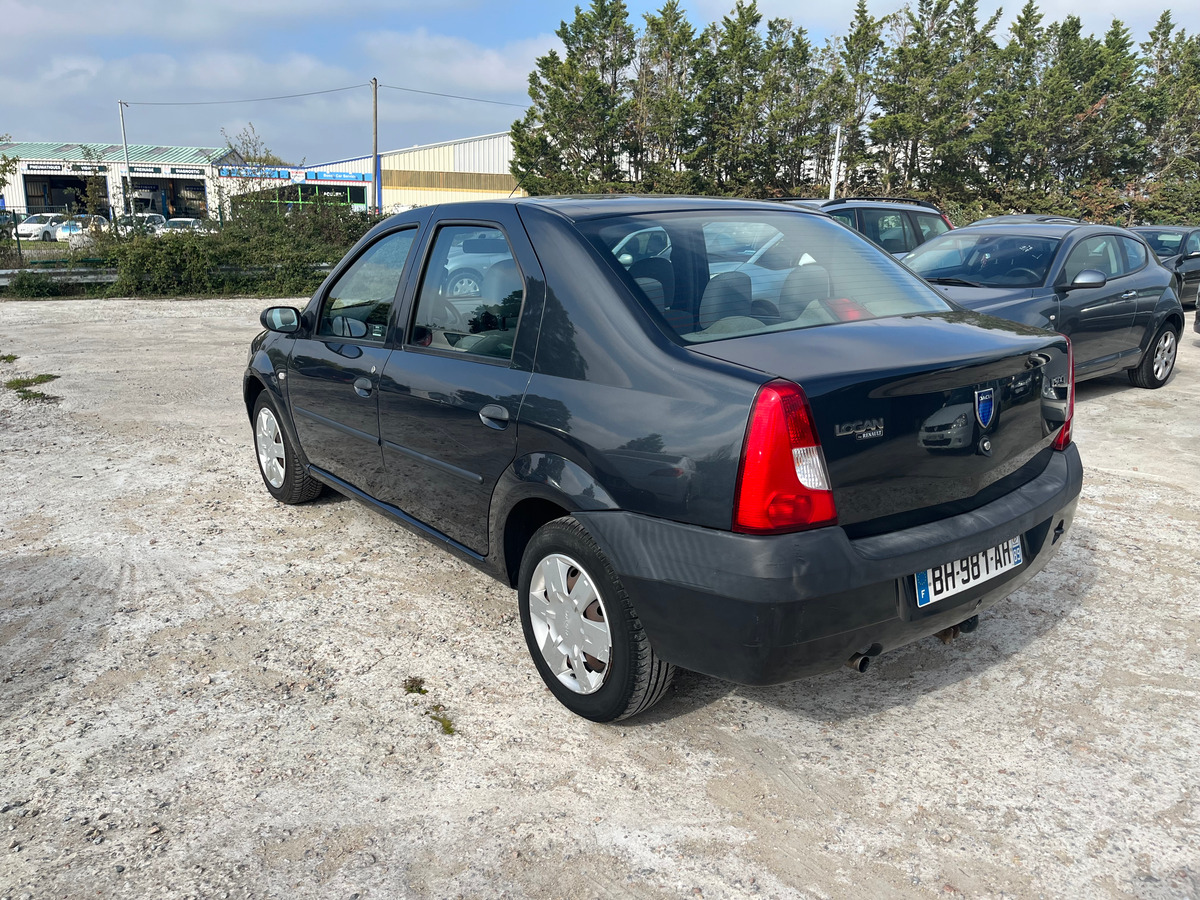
{"type": "Point", "coordinates": [494, 416]}
{"type": "Point", "coordinates": [363, 387]}
{"type": "Point", "coordinates": [1128, 295]}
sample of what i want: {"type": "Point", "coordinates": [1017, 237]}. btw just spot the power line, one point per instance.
{"type": "Point", "coordinates": [453, 96]}
{"type": "Point", "coordinates": [248, 100]}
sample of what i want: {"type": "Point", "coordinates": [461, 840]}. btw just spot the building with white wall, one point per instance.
{"type": "Point", "coordinates": [174, 181]}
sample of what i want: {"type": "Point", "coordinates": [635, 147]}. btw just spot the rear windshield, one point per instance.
{"type": "Point", "coordinates": [717, 275]}
{"type": "Point", "coordinates": [985, 258]}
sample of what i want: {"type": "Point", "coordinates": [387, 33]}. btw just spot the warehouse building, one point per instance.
{"type": "Point", "coordinates": [173, 181]}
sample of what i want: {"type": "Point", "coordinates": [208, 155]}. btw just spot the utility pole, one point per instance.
{"type": "Point", "coordinates": [121, 104]}
{"type": "Point", "coordinates": [837, 152]}
{"type": "Point", "coordinates": [377, 188]}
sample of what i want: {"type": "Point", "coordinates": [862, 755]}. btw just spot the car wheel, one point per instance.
{"type": "Point", "coordinates": [582, 631]}
{"type": "Point", "coordinates": [1159, 361]}
{"type": "Point", "coordinates": [281, 471]}
{"type": "Point", "coordinates": [46, 236]}
{"type": "Point", "coordinates": [464, 283]}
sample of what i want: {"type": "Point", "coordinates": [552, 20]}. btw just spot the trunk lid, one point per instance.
{"type": "Point", "coordinates": [919, 416]}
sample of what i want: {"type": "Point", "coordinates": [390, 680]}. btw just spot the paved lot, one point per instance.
{"type": "Point", "coordinates": [201, 691]}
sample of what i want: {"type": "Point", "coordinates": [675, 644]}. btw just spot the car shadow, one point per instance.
{"type": "Point", "coordinates": [1095, 388]}
{"type": "Point", "coordinates": [905, 676]}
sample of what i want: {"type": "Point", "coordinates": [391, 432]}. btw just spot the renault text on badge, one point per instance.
{"type": "Point", "coordinates": [862, 431]}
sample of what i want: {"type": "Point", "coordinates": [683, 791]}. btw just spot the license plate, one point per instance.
{"type": "Point", "coordinates": [959, 575]}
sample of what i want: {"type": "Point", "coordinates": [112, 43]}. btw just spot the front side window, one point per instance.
{"type": "Point", "coordinates": [471, 294]}
{"type": "Point", "coordinates": [735, 274]}
{"type": "Point", "coordinates": [1100, 253]}
{"type": "Point", "coordinates": [360, 302]}
{"type": "Point", "coordinates": [1193, 243]}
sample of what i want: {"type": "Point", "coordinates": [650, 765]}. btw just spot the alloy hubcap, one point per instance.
{"type": "Point", "coordinates": [1164, 356]}
{"type": "Point", "coordinates": [268, 440]}
{"type": "Point", "coordinates": [570, 623]}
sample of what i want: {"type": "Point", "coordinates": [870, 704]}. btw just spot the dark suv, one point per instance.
{"type": "Point", "coordinates": [755, 472]}
{"type": "Point", "coordinates": [896, 224]}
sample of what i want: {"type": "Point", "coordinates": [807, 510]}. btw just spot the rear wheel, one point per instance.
{"type": "Point", "coordinates": [582, 631]}
{"type": "Point", "coordinates": [1159, 360]}
{"type": "Point", "coordinates": [281, 471]}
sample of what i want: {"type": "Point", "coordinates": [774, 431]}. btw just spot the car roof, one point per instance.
{"type": "Point", "coordinates": [1037, 229]}
{"type": "Point", "coordinates": [598, 206]}
{"type": "Point", "coordinates": [909, 203]}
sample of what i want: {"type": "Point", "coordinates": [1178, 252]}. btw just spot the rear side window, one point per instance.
{"type": "Point", "coordinates": [471, 295]}
{"type": "Point", "coordinates": [1135, 254]}
{"type": "Point", "coordinates": [930, 225]}
{"type": "Point", "coordinates": [359, 303]}
{"type": "Point", "coordinates": [734, 274]}
{"type": "Point", "coordinates": [889, 228]}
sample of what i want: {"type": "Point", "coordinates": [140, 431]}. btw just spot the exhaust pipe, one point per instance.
{"type": "Point", "coordinates": [858, 662]}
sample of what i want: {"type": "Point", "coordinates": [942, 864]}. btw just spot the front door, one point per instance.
{"type": "Point", "coordinates": [450, 396]}
{"type": "Point", "coordinates": [334, 371]}
{"type": "Point", "coordinates": [1098, 320]}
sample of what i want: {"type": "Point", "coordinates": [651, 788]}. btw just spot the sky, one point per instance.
{"type": "Point", "coordinates": [66, 63]}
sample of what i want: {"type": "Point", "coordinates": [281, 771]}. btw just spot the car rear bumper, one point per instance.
{"type": "Point", "coordinates": [769, 609]}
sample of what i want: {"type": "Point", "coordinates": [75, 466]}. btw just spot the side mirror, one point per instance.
{"type": "Point", "coordinates": [283, 319]}
{"type": "Point", "coordinates": [1088, 278]}
{"type": "Point", "coordinates": [625, 259]}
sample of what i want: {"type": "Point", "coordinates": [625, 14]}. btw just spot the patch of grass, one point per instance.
{"type": "Point", "coordinates": [9, 358]}
{"type": "Point", "coordinates": [24, 387]}
{"type": "Point", "coordinates": [415, 685]}
{"type": "Point", "coordinates": [438, 714]}
{"type": "Point", "coordinates": [34, 285]}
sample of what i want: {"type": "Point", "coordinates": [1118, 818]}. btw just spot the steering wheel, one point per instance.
{"type": "Point", "coordinates": [445, 316]}
{"type": "Point", "coordinates": [1021, 272]}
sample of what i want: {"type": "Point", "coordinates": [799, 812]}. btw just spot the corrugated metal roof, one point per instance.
{"type": "Point", "coordinates": [138, 153]}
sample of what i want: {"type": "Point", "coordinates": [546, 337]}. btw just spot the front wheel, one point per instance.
{"type": "Point", "coordinates": [582, 631]}
{"type": "Point", "coordinates": [46, 236]}
{"type": "Point", "coordinates": [281, 471]}
{"type": "Point", "coordinates": [1159, 360]}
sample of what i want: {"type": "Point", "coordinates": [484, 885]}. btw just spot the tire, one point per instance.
{"type": "Point", "coordinates": [1159, 360]}
{"type": "Point", "coordinates": [632, 678]}
{"type": "Point", "coordinates": [464, 283]}
{"type": "Point", "coordinates": [278, 464]}
{"type": "Point", "coordinates": [46, 236]}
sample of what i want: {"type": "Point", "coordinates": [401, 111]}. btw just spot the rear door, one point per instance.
{"type": "Point", "coordinates": [452, 390]}
{"type": "Point", "coordinates": [334, 370]}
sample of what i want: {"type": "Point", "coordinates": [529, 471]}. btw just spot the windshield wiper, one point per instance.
{"type": "Point", "coordinates": [960, 282]}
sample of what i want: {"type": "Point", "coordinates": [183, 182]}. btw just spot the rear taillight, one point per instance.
{"type": "Point", "coordinates": [946, 219]}
{"type": "Point", "coordinates": [783, 484]}
{"type": "Point", "coordinates": [1064, 434]}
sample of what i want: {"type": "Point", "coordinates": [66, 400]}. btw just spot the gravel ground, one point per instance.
{"type": "Point", "coordinates": [203, 692]}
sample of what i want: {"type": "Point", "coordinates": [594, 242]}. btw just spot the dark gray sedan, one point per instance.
{"type": "Point", "coordinates": [1177, 248]}
{"type": "Point", "coordinates": [1099, 285]}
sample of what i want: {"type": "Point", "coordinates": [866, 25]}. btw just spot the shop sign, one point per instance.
{"type": "Point", "coordinates": [43, 167]}
{"type": "Point", "coordinates": [145, 170]}
{"type": "Point", "coordinates": [185, 170]}
{"type": "Point", "coordinates": [338, 176]}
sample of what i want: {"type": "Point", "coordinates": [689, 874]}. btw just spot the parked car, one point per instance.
{"type": "Point", "coordinates": [39, 226]}
{"type": "Point", "coordinates": [1177, 248]}
{"type": "Point", "coordinates": [139, 223]}
{"type": "Point", "coordinates": [182, 224]}
{"type": "Point", "coordinates": [896, 224]}
{"type": "Point", "coordinates": [7, 220]}
{"type": "Point", "coordinates": [667, 474]}
{"type": "Point", "coordinates": [78, 226]}
{"type": "Point", "coordinates": [1099, 285]}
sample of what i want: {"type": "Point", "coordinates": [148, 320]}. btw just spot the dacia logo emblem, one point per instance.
{"type": "Point", "coordinates": [985, 406]}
